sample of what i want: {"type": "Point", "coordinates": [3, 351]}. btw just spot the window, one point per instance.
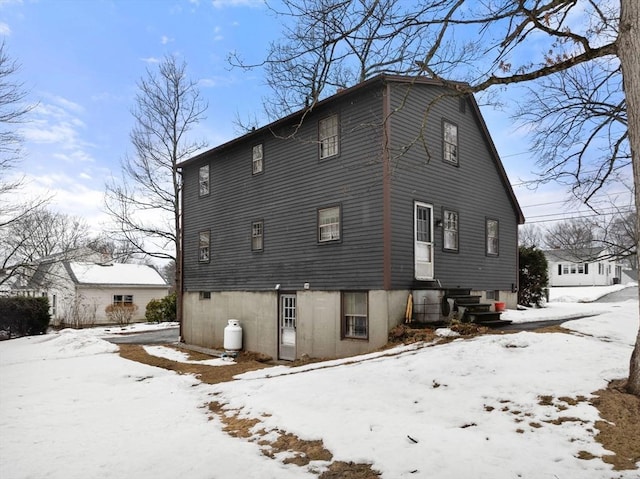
{"type": "Point", "coordinates": [203, 247]}
{"type": "Point", "coordinates": [257, 231]}
{"type": "Point", "coordinates": [565, 269]}
{"type": "Point", "coordinates": [328, 136]}
{"type": "Point", "coordinates": [355, 315]}
{"type": "Point", "coordinates": [123, 299]}
{"type": "Point", "coordinates": [329, 224]}
{"type": "Point", "coordinates": [492, 294]}
{"type": "Point", "coordinates": [450, 142]}
{"type": "Point", "coordinates": [450, 226]}
{"type": "Point", "coordinates": [205, 295]}
{"type": "Point", "coordinates": [462, 104]}
{"type": "Point", "coordinates": [257, 159]}
{"type": "Point", "coordinates": [492, 237]}
{"type": "Point", "coordinates": [203, 180]}
{"type": "Point", "coordinates": [600, 268]}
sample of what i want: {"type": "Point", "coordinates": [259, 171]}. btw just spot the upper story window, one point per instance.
{"type": "Point", "coordinates": [203, 180]}
{"type": "Point", "coordinates": [257, 234]}
{"type": "Point", "coordinates": [450, 230]}
{"type": "Point", "coordinates": [257, 159]}
{"type": "Point", "coordinates": [203, 246]}
{"type": "Point", "coordinates": [329, 224]}
{"type": "Point", "coordinates": [355, 315]}
{"type": "Point", "coordinates": [328, 136]}
{"type": "Point", "coordinates": [450, 142]}
{"type": "Point", "coordinates": [492, 237]}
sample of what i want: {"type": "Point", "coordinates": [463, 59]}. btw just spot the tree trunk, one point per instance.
{"type": "Point", "coordinates": [629, 54]}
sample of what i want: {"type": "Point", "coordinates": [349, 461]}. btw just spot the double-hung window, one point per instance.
{"type": "Point", "coordinates": [257, 159]}
{"type": "Point", "coordinates": [329, 224]}
{"type": "Point", "coordinates": [328, 137]}
{"type": "Point", "coordinates": [450, 230]}
{"type": "Point", "coordinates": [492, 237]}
{"type": "Point", "coordinates": [203, 180]}
{"type": "Point", "coordinates": [355, 315]}
{"type": "Point", "coordinates": [450, 142]}
{"type": "Point", "coordinates": [123, 300]}
{"type": "Point", "coordinates": [257, 234]}
{"type": "Point", "coordinates": [204, 246]}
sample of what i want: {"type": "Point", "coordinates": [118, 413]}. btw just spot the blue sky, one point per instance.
{"type": "Point", "coordinates": [81, 59]}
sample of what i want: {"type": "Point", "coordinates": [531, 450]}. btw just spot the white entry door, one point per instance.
{"type": "Point", "coordinates": [287, 327]}
{"type": "Point", "coordinates": [423, 241]}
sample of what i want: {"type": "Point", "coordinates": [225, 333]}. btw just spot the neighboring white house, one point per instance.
{"type": "Point", "coordinates": [585, 267]}
{"type": "Point", "coordinates": [79, 291]}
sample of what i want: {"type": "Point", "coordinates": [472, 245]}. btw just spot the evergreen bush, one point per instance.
{"type": "Point", "coordinates": [534, 277]}
{"type": "Point", "coordinates": [24, 316]}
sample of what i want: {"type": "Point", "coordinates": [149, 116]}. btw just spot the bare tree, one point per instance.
{"type": "Point", "coordinates": [145, 203]}
{"type": "Point", "coordinates": [582, 45]}
{"type": "Point", "coordinates": [530, 236]}
{"type": "Point", "coordinates": [42, 235]}
{"type": "Point", "coordinates": [13, 111]}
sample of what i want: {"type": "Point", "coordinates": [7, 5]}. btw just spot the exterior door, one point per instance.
{"type": "Point", "coordinates": [423, 241]}
{"type": "Point", "coordinates": [287, 327]}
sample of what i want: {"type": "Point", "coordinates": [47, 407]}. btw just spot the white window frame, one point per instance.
{"type": "Point", "coordinates": [204, 246]}
{"type": "Point", "coordinates": [492, 237]}
{"type": "Point", "coordinates": [329, 227]}
{"type": "Point", "coordinates": [257, 236]}
{"type": "Point", "coordinates": [203, 180]}
{"type": "Point", "coordinates": [123, 300]}
{"type": "Point", "coordinates": [257, 155]}
{"type": "Point", "coordinates": [355, 319]}
{"type": "Point", "coordinates": [450, 228]}
{"type": "Point", "coordinates": [328, 137]}
{"type": "Point", "coordinates": [450, 142]}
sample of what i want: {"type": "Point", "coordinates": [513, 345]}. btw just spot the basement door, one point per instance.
{"type": "Point", "coordinates": [423, 241]}
{"type": "Point", "coordinates": [287, 327]}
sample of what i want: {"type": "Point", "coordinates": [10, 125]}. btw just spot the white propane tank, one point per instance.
{"type": "Point", "coordinates": [233, 336]}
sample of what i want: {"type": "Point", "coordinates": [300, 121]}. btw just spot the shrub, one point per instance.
{"type": "Point", "coordinates": [533, 276]}
{"type": "Point", "coordinates": [159, 310]}
{"type": "Point", "coordinates": [121, 313]}
{"type": "Point", "coordinates": [24, 316]}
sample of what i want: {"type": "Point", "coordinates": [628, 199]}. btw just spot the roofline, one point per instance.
{"type": "Point", "coordinates": [286, 119]}
{"type": "Point", "coordinates": [382, 78]}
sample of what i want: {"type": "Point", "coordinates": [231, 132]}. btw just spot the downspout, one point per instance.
{"type": "Point", "coordinates": [386, 187]}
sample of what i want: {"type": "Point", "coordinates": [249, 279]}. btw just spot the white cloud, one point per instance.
{"type": "Point", "coordinates": [150, 60]}
{"type": "Point", "coordinates": [165, 39]}
{"type": "Point", "coordinates": [5, 29]}
{"type": "Point", "coordinates": [237, 3]}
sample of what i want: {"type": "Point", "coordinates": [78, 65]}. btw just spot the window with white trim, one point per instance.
{"type": "Point", "coordinates": [355, 315]}
{"type": "Point", "coordinates": [257, 233]}
{"type": "Point", "coordinates": [123, 300]}
{"type": "Point", "coordinates": [203, 246]}
{"type": "Point", "coordinates": [450, 230]}
{"type": "Point", "coordinates": [450, 142]}
{"type": "Point", "coordinates": [329, 224]}
{"type": "Point", "coordinates": [204, 295]}
{"type": "Point", "coordinates": [257, 159]}
{"type": "Point", "coordinates": [203, 180]}
{"type": "Point", "coordinates": [328, 136]}
{"type": "Point", "coordinates": [492, 237]}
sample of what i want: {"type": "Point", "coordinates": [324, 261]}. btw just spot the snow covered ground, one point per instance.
{"type": "Point", "coordinates": [70, 407]}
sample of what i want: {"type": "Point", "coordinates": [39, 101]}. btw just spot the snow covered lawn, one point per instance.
{"type": "Point", "coordinates": [487, 407]}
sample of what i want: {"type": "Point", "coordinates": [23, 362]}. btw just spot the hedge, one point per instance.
{"type": "Point", "coordinates": [24, 316]}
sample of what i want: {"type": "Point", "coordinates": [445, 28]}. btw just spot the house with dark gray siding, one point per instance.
{"type": "Point", "coordinates": [314, 230]}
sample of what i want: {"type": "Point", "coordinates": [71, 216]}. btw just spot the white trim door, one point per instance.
{"type": "Point", "coordinates": [287, 327]}
{"type": "Point", "coordinates": [423, 241]}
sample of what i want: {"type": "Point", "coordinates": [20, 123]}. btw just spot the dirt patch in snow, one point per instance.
{"type": "Point", "coordinates": [618, 431]}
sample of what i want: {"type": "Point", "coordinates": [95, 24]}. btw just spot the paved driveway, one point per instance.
{"type": "Point", "coordinates": [162, 336]}
{"type": "Point", "coordinates": [619, 296]}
